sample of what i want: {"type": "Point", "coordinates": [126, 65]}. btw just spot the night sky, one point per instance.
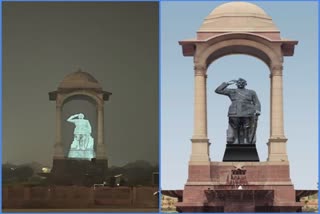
{"type": "Point", "coordinates": [117, 43]}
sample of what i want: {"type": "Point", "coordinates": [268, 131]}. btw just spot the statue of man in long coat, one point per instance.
{"type": "Point", "coordinates": [243, 112]}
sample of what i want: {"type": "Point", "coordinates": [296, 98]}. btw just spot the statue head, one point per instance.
{"type": "Point", "coordinates": [81, 116]}
{"type": "Point", "coordinates": [241, 83]}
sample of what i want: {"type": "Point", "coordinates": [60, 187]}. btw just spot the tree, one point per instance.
{"type": "Point", "coordinates": [23, 173]}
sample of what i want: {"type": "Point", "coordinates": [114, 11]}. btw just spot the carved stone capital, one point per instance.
{"type": "Point", "coordinates": [58, 106]}
{"type": "Point", "coordinates": [200, 70]}
{"type": "Point", "coordinates": [276, 70]}
{"type": "Point", "coordinates": [100, 107]}
{"type": "Point", "coordinates": [59, 100]}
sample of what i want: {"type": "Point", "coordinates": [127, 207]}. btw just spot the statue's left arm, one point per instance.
{"type": "Point", "coordinates": [256, 103]}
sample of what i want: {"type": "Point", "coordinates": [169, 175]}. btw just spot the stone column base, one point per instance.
{"type": "Point", "coordinates": [101, 152]}
{"type": "Point", "coordinates": [277, 150]}
{"type": "Point", "coordinates": [200, 150]}
{"type": "Point", "coordinates": [58, 152]}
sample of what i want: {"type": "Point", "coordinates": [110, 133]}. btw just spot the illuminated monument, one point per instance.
{"type": "Point", "coordinates": [83, 144]}
{"type": "Point", "coordinates": [79, 155]}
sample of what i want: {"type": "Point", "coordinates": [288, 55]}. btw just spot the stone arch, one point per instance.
{"type": "Point", "coordinates": [256, 46]}
{"type": "Point", "coordinates": [248, 44]}
{"type": "Point", "coordinates": [78, 102]}
{"type": "Point", "coordinates": [88, 94]}
{"type": "Point", "coordinates": [80, 84]}
{"type": "Point", "coordinates": [220, 36]}
{"type": "Point", "coordinates": [236, 28]}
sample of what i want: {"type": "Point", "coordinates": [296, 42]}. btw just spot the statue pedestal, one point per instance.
{"type": "Point", "coordinates": [78, 172]}
{"type": "Point", "coordinates": [240, 153]}
{"type": "Point", "coordinates": [239, 187]}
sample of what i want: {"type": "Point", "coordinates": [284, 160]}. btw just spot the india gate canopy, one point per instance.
{"type": "Point", "coordinates": [73, 158]}
{"type": "Point", "coordinates": [239, 28]}
{"type": "Point", "coordinates": [79, 84]}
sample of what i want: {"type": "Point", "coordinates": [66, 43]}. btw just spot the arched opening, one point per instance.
{"type": "Point", "coordinates": [76, 104]}
{"type": "Point", "coordinates": [228, 68]}
{"type": "Point", "coordinates": [239, 44]}
{"type": "Point", "coordinates": [239, 49]}
{"type": "Point", "coordinates": [219, 36]}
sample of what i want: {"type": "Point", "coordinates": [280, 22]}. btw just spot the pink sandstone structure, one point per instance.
{"type": "Point", "coordinates": [238, 28]}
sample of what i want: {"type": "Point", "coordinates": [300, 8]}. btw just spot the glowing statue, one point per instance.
{"type": "Point", "coordinates": [82, 146]}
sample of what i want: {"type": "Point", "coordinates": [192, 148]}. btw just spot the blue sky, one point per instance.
{"type": "Point", "coordinates": [297, 21]}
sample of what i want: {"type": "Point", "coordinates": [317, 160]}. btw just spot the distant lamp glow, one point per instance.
{"type": "Point", "coordinates": [117, 179]}
{"type": "Point", "coordinates": [46, 170]}
{"type": "Point", "coordinates": [82, 146]}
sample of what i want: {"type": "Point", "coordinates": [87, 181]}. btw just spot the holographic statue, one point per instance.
{"type": "Point", "coordinates": [82, 146]}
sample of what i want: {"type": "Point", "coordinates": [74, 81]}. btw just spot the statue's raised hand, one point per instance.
{"type": "Point", "coordinates": [231, 82]}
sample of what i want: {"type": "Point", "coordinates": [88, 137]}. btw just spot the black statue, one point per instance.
{"type": "Point", "coordinates": [243, 112]}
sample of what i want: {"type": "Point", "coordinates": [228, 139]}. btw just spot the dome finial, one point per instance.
{"type": "Point", "coordinates": [79, 70]}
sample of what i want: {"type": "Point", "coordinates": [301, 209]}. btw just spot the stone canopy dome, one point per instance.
{"type": "Point", "coordinates": [79, 83]}
{"type": "Point", "coordinates": [79, 79]}
{"type": "Point", "coordinates": [238, 16]}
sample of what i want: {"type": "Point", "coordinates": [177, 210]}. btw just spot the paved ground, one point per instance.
{"type": "Point", "coordinates": [81, 210]}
